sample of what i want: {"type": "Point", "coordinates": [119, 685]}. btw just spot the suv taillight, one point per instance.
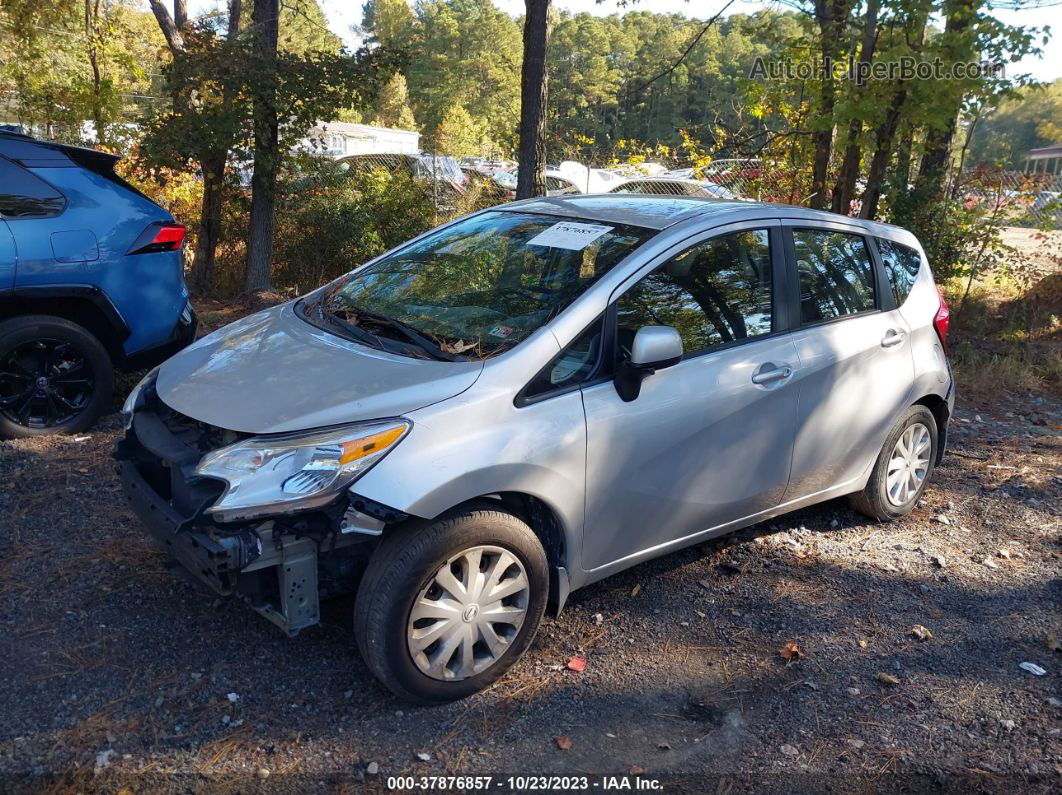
{"type": "Point", "coordinates": [159, 236]}
{"type": "Point", "coordinates": [941, 320]}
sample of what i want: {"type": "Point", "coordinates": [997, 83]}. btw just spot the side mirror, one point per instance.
{"type": "Point", "coordinates": [654, 348]}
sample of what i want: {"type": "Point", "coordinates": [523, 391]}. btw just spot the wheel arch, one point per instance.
{"type": "Point", "coordinates": [82, 304]}
{"type": "Point", "coordinates": [938, 407]}
{"type": "Point", "coordinates": [547, 525]}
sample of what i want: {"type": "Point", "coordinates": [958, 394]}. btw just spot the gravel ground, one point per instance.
{"type": "Point", "coordinates": [119, 675]}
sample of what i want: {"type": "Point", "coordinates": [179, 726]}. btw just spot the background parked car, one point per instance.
{"type": "Point", "coordinates": [557, 183]}
{"type": "Point", "coordinates": [91, 278]}
{"type": "Point", "coordinates": [673, 187]}
{"type": "Point", "coordinates": [436, 170]}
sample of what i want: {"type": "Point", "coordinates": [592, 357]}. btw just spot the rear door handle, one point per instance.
{"type": "Point", "coordinates": [892, 337]}
{"type": "Point", "coordinates": [770, 373]}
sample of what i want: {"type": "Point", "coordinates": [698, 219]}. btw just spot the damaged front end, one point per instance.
{"type": "Point", "coordinates": [281, 558]}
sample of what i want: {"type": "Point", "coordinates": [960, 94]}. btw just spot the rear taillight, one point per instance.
{"type": "Point", "coordinates": [159, 236]}
{"type": "Point", "coordinates": [941, 320]}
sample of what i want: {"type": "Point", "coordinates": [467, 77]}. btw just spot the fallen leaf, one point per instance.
{"type": "Point", "coordinates": [637, 770]}
{"type": "Point", "coordinates": [577, 664]}
{"type": "Point", "coordinates": [862, 643]}
{"type": "Point", "coordinates": [1051, 642]}
{"type": "Point", "coordinates": [920, 632]}
{"type": "Point", "coordinates": [887, 679]}
{"type": "Point", "coordinates": [791, 652]}
{"type": "Point", "coordinates": [564, 743]}
{"type": "Point", "coordinates": [637, 589]}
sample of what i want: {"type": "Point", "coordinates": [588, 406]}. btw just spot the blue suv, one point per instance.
{"type": "Point", "coordinates": [91, 279]}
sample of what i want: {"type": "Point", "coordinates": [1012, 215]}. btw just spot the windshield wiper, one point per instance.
{"type": "Point", "coordinates": [424, 343]}
{"type": "Point", "coordinates": [361, 335]}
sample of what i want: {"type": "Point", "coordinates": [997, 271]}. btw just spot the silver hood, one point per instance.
{"type": "Point", "coordinates": [273, 372]}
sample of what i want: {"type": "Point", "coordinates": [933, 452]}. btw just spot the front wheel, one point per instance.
{"type": "Point", "coordinates": [55, 377]}
{"type": "Point", "coordinates": [444, 610]}
{"type": "Point", "coordinates": [903, 467]}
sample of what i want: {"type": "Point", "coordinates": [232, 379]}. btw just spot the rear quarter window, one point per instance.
{"type": "Point", "coordinates": [901, 267]}
{"type": "Point", "coordinates": [23, 195]}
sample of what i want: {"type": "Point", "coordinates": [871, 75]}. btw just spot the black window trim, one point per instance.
{"type": "Point", "coordinates": [788, 227]}
{"type": "Point", "coordinates": [599, 373]}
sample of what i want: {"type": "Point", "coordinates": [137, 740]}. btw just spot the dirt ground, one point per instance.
{"type": "Point", "coordinates": [119, 677]}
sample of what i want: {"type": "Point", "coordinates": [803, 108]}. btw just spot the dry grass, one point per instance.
{"type": "Point", "coordinates": [1007, 331]}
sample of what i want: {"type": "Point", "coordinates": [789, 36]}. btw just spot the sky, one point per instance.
{"type": "Point", "coordinates": [344, 14]}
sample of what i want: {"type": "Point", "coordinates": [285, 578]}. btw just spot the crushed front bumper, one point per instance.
{"type": "Point", "coordinates": [273, 565]}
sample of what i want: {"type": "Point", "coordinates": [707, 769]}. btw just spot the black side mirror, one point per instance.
{"type": "Point", "coordinates": [654, 348]}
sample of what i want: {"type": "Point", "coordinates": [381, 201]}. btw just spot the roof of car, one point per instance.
{"type": "Point", "coordinates": [661, 212]}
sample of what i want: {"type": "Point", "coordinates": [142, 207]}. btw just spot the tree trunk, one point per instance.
{"type": "Point", "coordinates": [171, 28]}
{"type": "Point", "coordinates": [886, 134]}
{"type": "Point", "coordinates": [206, 244]}
{"type": "Point", "coordinates": [937, 152]}
{"type": "Point", "coordinates": [531, 178]}
{"type": "Point", "coordinates": [831, 16]}
{"type": "Point", "coordinates": [92, 41]}
{"type": "Point", "coordinates": [844, 189]}
{"type": "Point", "coordinates": [882, 149]}
{"type": "Point", "coordinates": [266, 18]}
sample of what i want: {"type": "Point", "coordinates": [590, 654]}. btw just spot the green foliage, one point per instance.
{"type": "Point", "coordinates": [392, 105]}
{"type": "Point", "coordinates": [329, 222]}
{"type": "Point", "coordinates": [459, 134]}
{"type": "Point", "coordinates": [46, 80]}
{"type": "Point", "coordinates": [1031, 118]}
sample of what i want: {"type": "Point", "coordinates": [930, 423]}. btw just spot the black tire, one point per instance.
{"type": "Point", "coordinates": [406, 562]}
{"type": "Point", "coordinates": [873, 501]}
{"type": "Point", "coordinates": [77, 391]}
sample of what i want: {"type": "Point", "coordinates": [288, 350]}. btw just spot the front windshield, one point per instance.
{"type": "Point", "coordinates": [479, 286]}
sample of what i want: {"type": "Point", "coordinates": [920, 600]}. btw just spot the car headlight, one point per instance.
{"type": "Point", "coordinates": [136, 397]}
{"type": "Point", "coordinates": [280, 474]}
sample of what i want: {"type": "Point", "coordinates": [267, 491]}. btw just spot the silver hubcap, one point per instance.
{"type": "Point", "coordinates": [909, 464]}
{"type": "Point", "coordinates": [468, 614]}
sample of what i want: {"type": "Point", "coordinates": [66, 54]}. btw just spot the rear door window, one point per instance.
{"type": "Point", "coordinates": [23, 195]}
{"type": "Point", "coordinates": [901, 267]}
{"type": "Point", "coordinates": [836, 274]}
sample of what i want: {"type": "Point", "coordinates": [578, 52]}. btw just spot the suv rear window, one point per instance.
{"type": "Point", "coordinates": [901, 267]}
{"type": "Point", "coordinates": [22, 195]}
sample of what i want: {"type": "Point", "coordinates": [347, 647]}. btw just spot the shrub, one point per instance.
{"type": "Point", "coordinates": [328, 222]}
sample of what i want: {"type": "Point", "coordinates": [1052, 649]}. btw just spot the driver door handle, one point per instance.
{"type": "Point", "coordinates": [892, 337]}
{"type": "Point", "coordinates": [769, 373]}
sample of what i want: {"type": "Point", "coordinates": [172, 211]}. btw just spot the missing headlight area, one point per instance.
{"type": "Point", "coordinates": [281, 566]}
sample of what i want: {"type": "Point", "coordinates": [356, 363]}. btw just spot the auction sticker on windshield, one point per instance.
{"type": "Point", "coordinates": [572, 236]}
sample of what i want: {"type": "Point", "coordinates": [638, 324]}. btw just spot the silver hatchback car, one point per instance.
{"type": "Point", "coordinates": [531, 398]}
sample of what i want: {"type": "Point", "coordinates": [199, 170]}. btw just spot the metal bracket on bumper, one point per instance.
{"type": "Point", "coordinates": [296, 562]}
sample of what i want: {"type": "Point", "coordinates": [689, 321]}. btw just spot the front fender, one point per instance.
{"type": "Point", "coordinates": [466, 448]}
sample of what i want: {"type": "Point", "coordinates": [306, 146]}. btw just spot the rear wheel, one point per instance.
{"type": "Point", "coordinates": [55, 377]}
{"type": "Point", "coordinates": [903, 467]}
{"type": "Point", "coordinates": [444, 610]}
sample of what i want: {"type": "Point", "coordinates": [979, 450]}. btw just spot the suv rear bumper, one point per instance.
{"type": "Point", "coordinates": [181, 337]}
